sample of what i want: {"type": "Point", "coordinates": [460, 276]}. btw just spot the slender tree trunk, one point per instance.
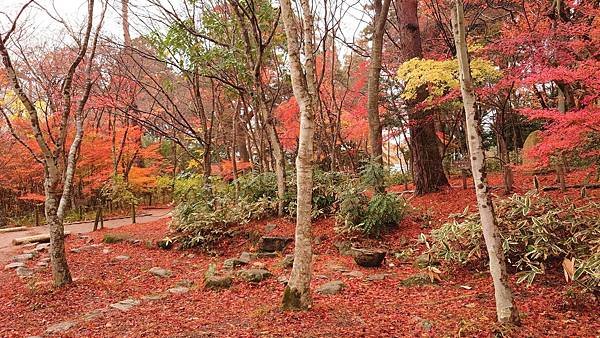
{"type": "Point", "coordinates": [426, 161]}
{"type": "Point", "coordinates": [297, 293]}
{"type": "Point", "coordinates": [505, 307]}
{"type": "Point", "coordinates": [375, 139]}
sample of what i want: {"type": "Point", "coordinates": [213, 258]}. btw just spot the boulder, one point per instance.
{"type": "Point", "coordinates": [331, 288]}
{"type": "Point", "coordinates": [160, 272]}
{"type": "Point", "coordinates": [344, 248]}
{"type": "Point", "coordinates": [532, 140]}
{"type": "Point", "coordinates": [218, 282]}
{"type": "Point", "coordinates": [273, 244]}
{"type": "Point", "coordinates": [245, 257]}
{"type": "Point", "coordinates": [368, 258]}
{"type": "Point", "coordinates": [254, 275]}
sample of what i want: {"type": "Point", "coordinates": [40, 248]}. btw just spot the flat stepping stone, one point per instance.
{"type": "Point", "coordinates": [42, 246]}
{"type": "Point", "coordinates": [42, 264]}
{"type": "Point", "coordinates": [376, 277]}
{"type": "Point", "coordinates": [254, 275]}
{"type": "Point", "coordinates": [179, 290]}
{"type": "Point", "coordinates": [157, 296]}
{"type": "Point", "coordinates": [125, 304]}
{"type": "Point", "coordinates": [24, 272]}
{"type": "Point", "coordinates": [121, 258]}
{"type": "Point", "coordinates": [419, 279]}
{"type": "Point", "coordinates": [88, 317]}
{"type": "Point", "coordinates": [218, 282]}
{"type": "Point", "coordinates": [14, 265]}
{"type": "Point", "coordinates": [353, 274]}
{"type": "Point", "coordinates": [160, 272]}
{"type": "Point", "coordinates": [331, 288]}
{"type": "Point", "coordinates": [106, 251]}
{"type": "Point", "coordinates": [60, 327]}
{"type": "Point", "coordinates": [23, 257]}
{"type": "Point", "coordinates": [287, 262]}
{"type": "Point", "coordinates": [337, 267]}
{"type": "Point", "coordinates": [273, 244]}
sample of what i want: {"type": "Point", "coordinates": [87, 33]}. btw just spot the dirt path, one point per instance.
{"type": "Point", "coordinates": [7, 249]}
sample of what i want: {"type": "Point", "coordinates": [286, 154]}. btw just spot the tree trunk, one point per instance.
{"type": "Point", "coordinates": [297, 293]}
{"type": "Point", "coordinates": [375, 139]}
{"type": "Point", "coordinates": [426, 161]}
{"type": "Point", "coordinates": [505, 308]}
{"type": "Point", "coordinates": [58, 259]}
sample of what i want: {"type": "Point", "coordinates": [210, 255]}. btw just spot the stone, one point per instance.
{"type": "Point", "coordinates": [353, 274]}
{"type": "Point", "coordinates": [23, 257]}
{"type": "Point", "coordinates": [270, 227]}
{"type": "Point", "coordinates": [376, 277]}
{"type": "Point", "coordinates": [88, 317]}
{"type": "Point", "coordinates": [245, 257]}
{"type": "Point", "coordinates": [267, 254]}
{"type": "Point", "coordinates": [160, 272]}
{"type": "Point", "coordinates": [42, 247]}
{"type": "Point", "coordinates": [337, 267]}
{"type": "Point", "coordinates": [331, 288]}
{"type": "Point", "coordinates": [86, 248]}
{"type": "Point", "coordinates": [14, 265]}
{"type": "Point", "coordinates": [185, 282]}
{"type": "Point", "coordinates": [283, 280]}
{"type": "Point", "coordinates": [273, 244]}
{"type": "Point", "coordinates": [218, 282]}
{"type": "Point", "coordinates": [60, 327]}
{"type": "Point", "coordinates": [344, 248]}
{"type": "Point", "coordinates": [532, 140]}
{"type": "Point", "coordinates": [157, 296]}
{"type": "Point", "coordinates": [42, 264]}
{"type": "Point", "coordinates": [179, 290]}
{"type": "Point", "coordinates": [125, 304]}
{"type": "Point", "coordinates": [106, 251]}
{"type": "Point", "coordinates": [121, 258]}
{"type": "Point", "coordinates": [424, 260]}
{"type": "Point", "coordinates": [417, 280]}
{"type": "Point", "coordinates": [45, 259]}
{"type": "Point", "coordinates": [287, 262]}
{"type": "Point", "coordinates": [24, 272]}
{"type": "Point", "coordinates": [254, 275]}
{"type": "Point", "coordinates": [232, 263]}
{"type": "Point", "coordinates": [259, 265]}
{"type": "Point", "coordinates": [368, 258]}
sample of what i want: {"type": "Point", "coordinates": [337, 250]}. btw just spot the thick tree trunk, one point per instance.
{"type": "Point", "coordinates": [375, 139]}
{"type": "Point", "coordinates": [58, 258]}
{"type": "Point", "coordinates": [297, 293]}
{"type": "Point", "coordinates": [426, 161]}
{"type": "Point", "coordinates": [505, 307]}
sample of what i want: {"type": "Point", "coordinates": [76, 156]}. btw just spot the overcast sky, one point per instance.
{"type": "Point", "coordinates": [41, 27]}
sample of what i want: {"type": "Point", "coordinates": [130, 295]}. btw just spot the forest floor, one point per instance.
{"type": "Point", "coordinates": [372, 304]}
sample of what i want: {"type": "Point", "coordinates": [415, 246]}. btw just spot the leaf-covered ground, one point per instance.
{"type": "Point", "coordinates": [461, 305]}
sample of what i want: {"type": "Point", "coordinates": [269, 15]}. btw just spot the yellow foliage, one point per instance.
{"type": "Point", "coordinates": [441, 76]}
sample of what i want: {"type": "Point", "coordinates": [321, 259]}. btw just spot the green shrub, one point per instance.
{"type": "Point", "coordinates": [114, 238]}
{"type": "Point", "coordinates": [396, 178]}
{"type": "Point", "coordinates": [537, 232]}
{"type": "Point", "coordinates": [370, 217]}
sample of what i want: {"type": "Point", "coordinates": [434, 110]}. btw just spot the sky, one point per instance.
{"type": "Point", "coordinates": [41, 27]}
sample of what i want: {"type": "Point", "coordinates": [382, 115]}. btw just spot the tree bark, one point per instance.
{"type": "Point", "coordinates": [297, 293]}
{"type": "Point", "coordinates": [426, 161]}
{"type": "Point", "coordinates": [505, 308]}
{"type": "Point", "coordinates": [375, 138]}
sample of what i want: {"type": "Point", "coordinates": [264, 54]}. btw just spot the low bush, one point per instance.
{"type": "Point", "coordinates": [114, 238]}
{"type": "Point", "coordinates": [359, 214]}
{"type": "Point", "coordinates": [537, 232]}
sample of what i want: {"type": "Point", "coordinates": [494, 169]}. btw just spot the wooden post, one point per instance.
{"type": "Point", "coordinates": [463, 173]}
{"type": "Point", "coordinates": [37, 216]}
{"type": "Point", "coordinates": [133, 213]}
{"type": "Point", "coordinates": [96, 220]}
{"type": "Point", "coordinates": [560, 174]}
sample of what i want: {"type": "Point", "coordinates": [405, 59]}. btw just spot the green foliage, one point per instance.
{"type": "Point", "coordinates": [397, 178]}
{"type": "Point", "coordinates": [118, 190]}
{"type": "Point", "coordinates": [114, 238]}
{"type": "Point", "coordinates": [537, 232]}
